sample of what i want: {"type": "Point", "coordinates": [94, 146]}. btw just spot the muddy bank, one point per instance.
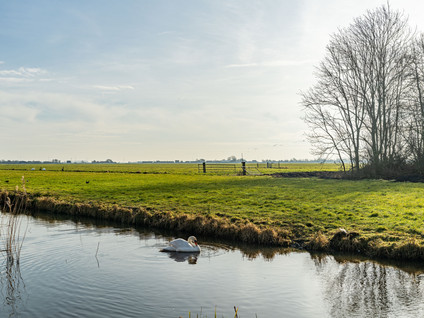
{"type": "Point", "coordinates": [339, 240]}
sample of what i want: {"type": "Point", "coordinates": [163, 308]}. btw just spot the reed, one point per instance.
{"type": "Point", "coordinates": [12, 238]}
{"type": "Point", "coordinates": [11, 221]}
{"type": "Point", "coordinates": [215, 315]}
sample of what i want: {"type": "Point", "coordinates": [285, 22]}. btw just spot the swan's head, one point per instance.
{"type": "Point", "coordinates": [192, 240]}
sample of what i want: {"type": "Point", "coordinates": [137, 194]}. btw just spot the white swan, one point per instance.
{"type": "Point", "coordinates": [181, 245]}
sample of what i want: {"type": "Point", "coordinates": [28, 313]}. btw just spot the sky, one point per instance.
{"type": "Point", "coordinates": [134, 80]}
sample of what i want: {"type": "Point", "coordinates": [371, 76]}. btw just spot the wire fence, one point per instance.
{"type": "Point", "coordinates": [242, 168]}
{"type": "Point", "coordinates": [217, 167]}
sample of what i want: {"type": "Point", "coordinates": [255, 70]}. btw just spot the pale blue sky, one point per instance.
{"type": "Point", "coordinates": [164, 80]}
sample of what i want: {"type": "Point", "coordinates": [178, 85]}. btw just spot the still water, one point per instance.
{"type": "Point", "coordinates": [72, 269]}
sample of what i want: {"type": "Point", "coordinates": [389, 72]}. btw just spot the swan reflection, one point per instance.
{"type": "Point", "coordinates": [191, 258]}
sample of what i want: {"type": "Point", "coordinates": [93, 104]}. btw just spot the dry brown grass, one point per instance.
{"type": "Point", "coordinates": [319, 242]}
{"type": "Point", "coordinates": [412, 250]}
{"type": "Point", "coordinates": [210, 226]}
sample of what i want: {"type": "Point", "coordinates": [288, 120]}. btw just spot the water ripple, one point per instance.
{"type": "Point", "coordinates": [73, 270]}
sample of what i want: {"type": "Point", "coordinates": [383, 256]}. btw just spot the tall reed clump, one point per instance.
{"type": "Point", "coordinates": [10, 232]}
{"type": "Point", "coordinates": [11, 205]}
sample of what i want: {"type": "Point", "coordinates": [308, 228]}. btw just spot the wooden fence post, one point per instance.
{"type": "Point", "coordinates": [243, 167]}
{"type": "Point", "coordinates": [204, 167]}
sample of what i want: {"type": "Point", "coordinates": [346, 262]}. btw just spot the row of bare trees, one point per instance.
{"type": "Point", "coordinates": [367, 106]}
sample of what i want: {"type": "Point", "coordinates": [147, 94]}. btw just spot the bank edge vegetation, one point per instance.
{"type": "Point", "coordinates": [377, 218]}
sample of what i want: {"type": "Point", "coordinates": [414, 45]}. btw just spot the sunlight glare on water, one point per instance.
{"type": "Point", "coordinates": [70, 269]}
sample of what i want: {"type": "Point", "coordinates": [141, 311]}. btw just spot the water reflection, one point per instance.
{"type": "Point", "coordinates": [368, 289]}
{"type": "Point", "coordinates": [274, 284]}
{"type": "Point", "coordinates": [249, 252]}
{"type": "Point", "coordinates": [12, 286]}
{"type": "Point", "coordinates": [191, 258]}
{"type": "Point", "coordinates": [268, 254]}
{"type": "Point", "coordinates": [87, 224]}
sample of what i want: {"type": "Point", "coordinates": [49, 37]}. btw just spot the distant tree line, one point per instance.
{"type": "Point", "coordinates": [29, 161]}
{"type": "Point", "coordinates": [367, 105]}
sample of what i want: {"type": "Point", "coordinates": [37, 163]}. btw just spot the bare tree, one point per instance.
{"type": "Point", "coordinates": [415, 127]}
{"type": "Point", "coordinates": [357, 106]}
{"type": "Point", "coordinates": [387, 37]}
{"type": "Point", "coordinates": [335, 107]}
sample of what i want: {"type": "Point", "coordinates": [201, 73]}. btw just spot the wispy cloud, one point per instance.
{"type": "Point", "coordinates": [22, 74]}
{"type": "Point", "coordinates": [114, 88]}
{"type": "Point", "coordinates": [271, 63]}
{"type": "Point", "coordinates": [13, 79]}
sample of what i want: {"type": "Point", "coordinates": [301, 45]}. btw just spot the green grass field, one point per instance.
{"type": "Point", "coordinates": [170, 168]}
{"type": "Point", "coordinates": [389, 211]}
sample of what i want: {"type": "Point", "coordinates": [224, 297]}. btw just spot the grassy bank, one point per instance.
{"type": "Point", "coordinates": [382, 218]}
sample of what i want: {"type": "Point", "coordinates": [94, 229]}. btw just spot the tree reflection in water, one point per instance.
{"type": "Point", "coordinates": [368, 289]}
{"type": "Point", "coordinates": [12, 286]}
